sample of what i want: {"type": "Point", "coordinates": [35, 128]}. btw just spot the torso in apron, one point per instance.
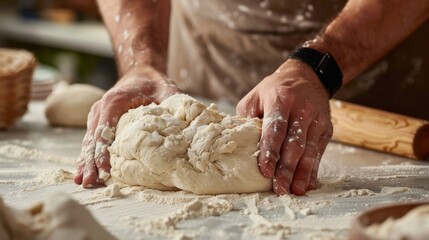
{"type": "Point", "coordinates": [221, 49]}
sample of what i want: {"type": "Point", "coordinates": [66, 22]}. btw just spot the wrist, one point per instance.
{"type": "Point", "coordinates": [343, 52]}
{"type": "Point", "coordinates": [142, 58]}
{"type": "Point", "coordinates": [323, 65]}
{"type": "Point", "coordinates": [303, 72]}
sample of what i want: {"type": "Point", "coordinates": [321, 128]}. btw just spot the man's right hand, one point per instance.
{"type": "Point", "coordinates": [139, 86]}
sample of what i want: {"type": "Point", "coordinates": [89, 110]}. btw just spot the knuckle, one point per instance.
{"type": "Point", "coordinates": [284, 91]}
{"type": "Point", "coordinates": [277, 127]}
{"type": "Point", "coordinates": [326, 124]}
{"type": "Point", "coordinates": [94, 110]}
{"type": "Point", "coordinates": [268, 155]}
{"type": "Point", "coordinates": [296, 141]}
{"type": "Point", "coordinates": [306, 167]}
{"type": "Point", "coordinates": [95, 106]}
{"type": "Point", "coordinates": [114, 97]}
{"type": "Point", "coordinates": [285, 171]}
{"type": "Point", "coordinates": [329, 132]}
{"type": "Point", "coordinates": [312, 150]}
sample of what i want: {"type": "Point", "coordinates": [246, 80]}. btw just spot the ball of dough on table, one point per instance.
{"type": "Point", "coordinates": [70, 105]}
{"type": "Point", "coordinates": [413, 226]}
{"type": "Point", "coordinates": [182, 144]}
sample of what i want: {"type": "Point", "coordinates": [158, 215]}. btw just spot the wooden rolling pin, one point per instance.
{"type": "Point", "coordinates": [379, 130]}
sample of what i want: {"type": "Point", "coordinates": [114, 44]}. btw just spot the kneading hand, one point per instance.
{"type": "Point", "coordinates": [139, 86]}
{"type": "Point", "coordinates": [296, 126]}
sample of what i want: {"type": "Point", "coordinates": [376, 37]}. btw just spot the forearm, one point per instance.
{"type": "Point", "coordinates": [368, 29]}
{"type": "Point", "coordinates": [139, 31]}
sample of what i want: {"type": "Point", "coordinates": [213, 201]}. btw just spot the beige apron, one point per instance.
{"type": "Point", "coordinates": [221, 49]}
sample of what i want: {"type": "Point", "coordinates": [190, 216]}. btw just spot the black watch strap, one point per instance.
{"type": "Point", "coordinates": [324, 65]}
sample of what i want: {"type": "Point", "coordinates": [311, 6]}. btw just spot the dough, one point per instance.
{"type": "Point", "coordinates": [182, 144]}
{"type": "Point", "coordinates": [70, 105]}
{"type": "Point", "coordinates": [58, 217]}
{"type": "Point", "coordinates": [414, 225]}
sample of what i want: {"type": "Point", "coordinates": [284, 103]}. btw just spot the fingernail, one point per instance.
{"type": "Point", "coordinates": [279, 188]}
{"type": "Point", "coordinates": [312, 185]}
{"type": "Point", "coordinates": [103, 176]}
{"type": "Point", "coordinates": [269, 160]}
{"type": "Point", "coordinates": [272, 167]}
{"type": "Point", "coordinates": [300, 185]}
{"type": "Point", "coordinates": [268, 169]}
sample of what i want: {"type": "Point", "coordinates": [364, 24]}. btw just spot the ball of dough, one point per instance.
{"type": "Point", "coordinates": [70, 105]}
{"type": "Point", "coordinates": [182, 144]}
{"type": "Point", "coordinates": [413, 225]}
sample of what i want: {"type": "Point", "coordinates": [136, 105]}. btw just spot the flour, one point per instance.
{"type": "Point", "coordinates": [112, 191]}
{"type": "Point", "coordinates": [51, 177]}
{"type": "Point", "coordinates": [325, 236]}
{"type": "Point", "coordinates": [182, 236]}
{"type": "Point", "coordinates": [266, 204]}
{"type": "Point", "coordinates": [195, 209]}
{"type": "Point", "coordinates": [355, 193]}
{"type": "Point", "coordinates": [168, 198]}
{"type": "Point", "coordinates": [281, 231]}
{"type": "Point", "coordinates": [397, 167]}
{"type": "Point", "coordinates": [297, 205]}
{"type": "Point", "coordinates": [262, 226]}
{"type": "Point", "coordinates": [251, 206]}
{"type": "Point", "coordinates": [7, 181]}
{"type": "Point", "coordinates": [393, 190]}
{"type": "Point", "coordinates": [343, 149]}
{"type": "Point", "coordinates": [16, 151]}
{"type": "Point", "coordinates": [45, 178]}
{"type": "Point", "coordinates": [198, 208]}
{"type": "Point", "coordinates": [395, 171]}
{"type": "Point", "coordinates": [305, 211]}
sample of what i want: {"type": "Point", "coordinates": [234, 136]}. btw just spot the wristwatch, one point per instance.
{"type": "Point", "coordinates": [324, 65]}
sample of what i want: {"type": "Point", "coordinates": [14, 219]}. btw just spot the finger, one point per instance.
{"type": "Point", "coordinates": [89, 170]}
{"type": "Point", "coordinates": [168, 89]}
{"type": "Point", "coordinates": [114, 104]}
{"type": "Point", "coordinates": [89, 174]}
{"type": "Point", "coordinates": [304, 169]}
{"type": "Point", "coordinates": [291, 152]}
{"type": "Point", "coordinates": [86, 143]}
{"type": "Point", "coordinates": [274, 130]}
{"type": "Point", "coordinates": [312, 185]}
{"type": "Point", "coordinates": [80, 163]}
{"type": "Point", "coordinates": [104, 136]}
{"type": "Point", "coordinates": [249, 106]}
{"type": "Point", "coordinates": [323, 143]}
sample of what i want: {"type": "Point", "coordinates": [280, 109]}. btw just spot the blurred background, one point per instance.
{"type": "Point", "coordinates": [67, 37]}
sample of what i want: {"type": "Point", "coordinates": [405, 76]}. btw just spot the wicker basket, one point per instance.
{"type": "Point", "coordinates": [16, 70]}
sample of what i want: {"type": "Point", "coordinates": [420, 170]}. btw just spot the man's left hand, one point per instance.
{"type": "Point", "coordinates": [296, 126]}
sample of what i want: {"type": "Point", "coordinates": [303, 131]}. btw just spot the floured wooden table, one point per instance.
{"type": "Point", "coordinates": [36, 159]}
